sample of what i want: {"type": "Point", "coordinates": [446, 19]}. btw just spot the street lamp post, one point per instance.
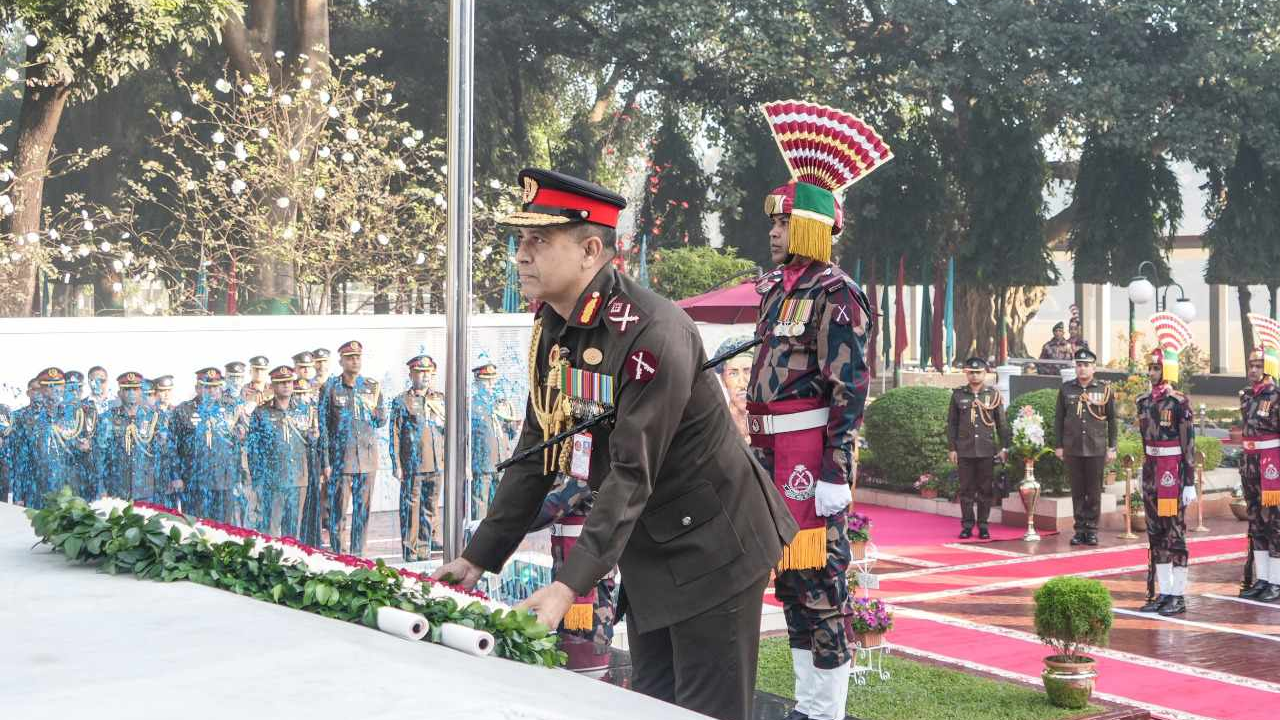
{"type": "Point", "coordinates": [1143, 291]}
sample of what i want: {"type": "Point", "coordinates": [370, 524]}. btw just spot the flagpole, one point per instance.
{"type": "Point", "coordinates": [950, 314]}
{"type": "Point", "coordinates": [458, 276]}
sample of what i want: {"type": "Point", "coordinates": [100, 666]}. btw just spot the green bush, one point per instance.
{"type": "Point", "coordinates": [1071, 614]}
{"type": "Point", "coordinates": [1212, 449]}
{"type": "Point", "coordinates": [1128, 443]}
{"type": "Point", "coordinates": [906, 430]}
{"type": "Point", "coordinates": [1050, 471]}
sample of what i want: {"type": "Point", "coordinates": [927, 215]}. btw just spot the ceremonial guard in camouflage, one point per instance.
{"type": "Point", "coordinates": [351, 411]}
{"type": "Point", "coordinates": [417, 458]}
{"type": "Point", "coordinates": [494, 426]}
{"type": "Point", "coordinates": [1057, 348]}
{"type": "Point", "coordinates": [977, 435]}
{"type": "Point", "coordinates": [129, 451]}
{"type": "Point", "coordinates": [680, 506]}
{"type": "Point", "coordinates": [1084, 422]}
{"type": "Point", "coordinates": [1260, 469]}
{"type": "Point", "coordinates": [208, 449]}
{"type": "Point", "coordinates": [281, 432]}
{"type": "Point", "coordinates": [808, 388]}
{"type": "Point", "coordinates": [1167, 426]}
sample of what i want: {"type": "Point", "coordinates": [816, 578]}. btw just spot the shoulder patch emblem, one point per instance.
{"type": "Point", "coordinates": [621, 314]}
{"type": "Point", "coordinates": [641, 366]}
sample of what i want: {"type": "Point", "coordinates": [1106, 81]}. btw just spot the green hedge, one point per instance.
{"type": "Point", "coordinates": [1130, 443]}
{"type": "Point", "coordinates": [1212, 449]}
{"type": "Point", "coordinates": [1050, 471]}
{"type": "Point", "coordinates": [906, 431]}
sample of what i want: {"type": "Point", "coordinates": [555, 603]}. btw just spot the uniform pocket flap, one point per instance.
{"type": "Point", "coordinates": [683, 514]}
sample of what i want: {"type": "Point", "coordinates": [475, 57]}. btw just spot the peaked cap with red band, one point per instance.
{"type": "Point", "coordinates": [553, 198]}
{"type": "Point", "coordinates": [283, 374]}
{"type": "Point", "coordinates": [129, 381]}
{"type": "Point", "coordinates": [50, 377]}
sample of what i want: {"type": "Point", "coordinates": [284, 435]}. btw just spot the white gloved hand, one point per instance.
{"type": "Point", "coordinates": [1188, 495]}
{"type": "Point", "coordinates": [831, 498]}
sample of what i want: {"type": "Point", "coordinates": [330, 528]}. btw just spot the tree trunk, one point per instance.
{"type": "Point", "coordinates": [1024, 303]}
{"type": "Point", "coordinates": [1271, 297]}
{"type": "Point", "coordinates": [1244, 297]}
{"type": "Point", "coordinates": [42, 108]}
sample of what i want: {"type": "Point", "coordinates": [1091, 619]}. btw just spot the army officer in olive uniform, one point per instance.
{"type": "Point", "coordinates": [691, 519]}
{"type": "Point", "coordinates": [1084, 422]}
{"type": "Point", "coordinates": [977, 432]}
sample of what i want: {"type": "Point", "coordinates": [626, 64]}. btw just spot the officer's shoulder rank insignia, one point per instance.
{"type": "Point", "coordinates": [621, 314]}
{"type": "Point", "coordinates": [590, 310]}
{"type": "Point", "coordinates": [641, 366]}
{"type": "Point", "coordinates": [766, 283]}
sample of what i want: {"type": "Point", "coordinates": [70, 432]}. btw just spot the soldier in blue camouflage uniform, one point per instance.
{"type": "Point", "coordinates": [129, 450]}
{"type": "Point", "coordinates": [277, 446]}
{"type": "Point", "coordinates": [98, 389]}
{"type": "Point", "coordinates": [806, 396]}
{"type": "Point", "coordinates": [207, 442]}
{"type": "Point", "coordinates": [51, 439]}
{"type": "Point", "coordinates": [6, 452]}
{"type": "Point", "coordinates": [417, 458]}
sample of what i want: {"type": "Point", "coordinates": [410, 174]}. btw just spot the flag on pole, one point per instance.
{"type": "Point", "coordinates": [925, 331]}
{"type": "Point", "coordinates": [939, 300]}
{"type": "Point", "coordinates": [900, 314]}
{"type": "Point", "coordinates": [875, 321]}
{"type": "Point", "coordinates": [951, 310]}
{"type": "Point", "coordinates": [886, 350]}
{"type": "Point", "coordinates": [642, 275]}
{"type": "Point", "coordinates": [511, 291]}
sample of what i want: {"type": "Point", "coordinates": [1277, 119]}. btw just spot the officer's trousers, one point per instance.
{"type": "Point", "coordinates": [976, 477]}
{"type": "Point", "coordinates": [707, 663]}
{"type": "Point", "coordinates": [419, 496]}
{"type": "Point", "coordinates": [1086, 489]}
{"type": "Point", "coordinates": [353, 490]}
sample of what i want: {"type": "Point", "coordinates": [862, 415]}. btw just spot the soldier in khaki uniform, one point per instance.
{"type": "Point", "coordinates": [417, 458]}
{"type": "Point", "coordinates": [351, 411]}
{"type": "Point", "coordinates": [258, 389]}
{"type": "Point", "coordinates": [1084, 422]}
{"type": "Point", "coordinates": [977, 435]}
{"type": "Point", "coordinates": [682, 508]}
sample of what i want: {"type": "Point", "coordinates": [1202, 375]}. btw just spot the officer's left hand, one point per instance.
{"type": "Point", "coordinates": [549, 603]}
{"type": "Point", "coordinates": [1188, 495]}
{"type": "Point", "coordinates": [831, 498]}
{"type": "Point", "coordinates": [1111, 455]}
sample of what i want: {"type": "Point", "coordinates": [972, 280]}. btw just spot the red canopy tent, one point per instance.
{"type": "Point", "coordinates": [737, 304]}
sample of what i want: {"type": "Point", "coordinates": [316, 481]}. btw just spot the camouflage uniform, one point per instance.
{"type": "Point", "coordinates": [1166, 418]}
{"type": "Point", "coordinates": [130, 454]}
{"type": "Point", "coordinates": [570, 496]}
{"type": "Point", "coordinates": [1055, 349]}
{"type": "Point", "coordinates": [207, 442]}
{"type": "Point", "coordinates": [494, 429]}
{"type": "Point", "coordinates": [349, 418]}
{"type": "Point", "coordinates": [278, 450]}
{"type": "Point", "coordinates": [823, 363]}
{"type": "Point", "coordinates": [417, 455]}
{"type": "Point", "coordinates": [1260, 414]}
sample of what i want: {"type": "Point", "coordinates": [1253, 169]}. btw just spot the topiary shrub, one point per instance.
{"type": "Point", "coordinates": [1050, 471]}
{"type": "Point", "coordinates": [906, 430]}
{"type": "Point", "coordinates": [1072, 613]}
{"type": "Point", "coordinates": [1212, 449]}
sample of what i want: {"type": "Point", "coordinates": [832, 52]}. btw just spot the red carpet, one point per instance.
{"type": "Point", "coordinates": [892, 527]}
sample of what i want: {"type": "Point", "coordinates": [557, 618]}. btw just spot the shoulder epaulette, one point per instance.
{"type": "Point", "coordinates": [767, 281]}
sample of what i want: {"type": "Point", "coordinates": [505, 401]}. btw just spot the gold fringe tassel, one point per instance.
{"type": "Point", "coordinates": [579, 617]}
{"type": "Point", "coordinates": [807, 551]}
{"type": "Point", "coordinates": [1167, 507]}
{"type": "Point", "coordinates": [1169, 371]}
{"type": "Point", "coordinates": [810, 238]}
{"type": "Point", "coordinates": [1271, 498]}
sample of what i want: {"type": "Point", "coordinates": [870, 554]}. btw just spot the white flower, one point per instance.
{"type": "Point", "coordinates": [355, 227]}
{"type": "Point", "coordinates": [417, 135]}
{"type": "Point", "coordinates": [241, 153]}
{"type": "Point", "coordinates": [31, 40]}
{"type": "Point", "coordinates": [282, 202]}
{"type": "Point", "coordinates": [222, 85]}
{"type": "Point", "coordinates": [5, 175]}
{"type": "Point", "coordinates": [195, 98]}
{"type": "Point", "coordinates": [495, 184]}
{"type": "Point", "coordinates": [325, 97]}
{"type": "Point", "coordinates": [285, 100]}
{"type": "Point", "coordinates": [351, 134]}
{"type": "Point", "coordinates": [88, 226]}
{"type": "Point", "coordinates": [220, 165]}
{"type": "Point", "coordinates": [409, 142]}
{"type": "Point", "coordinates": [264, 133]}
{"type": "Point", "coordinates": [318, 193]}
{"type": "Point", "coordinates": [279, 54]}
{"type": "Point", "coordinates": [117, 287]}
{"type": "Point", "coordinates": [422, 258]}
{"type": "Point", "coordinates": [288, 233]}
{"type": "Point", "coordinates": [117, 265]}
{"type": "Point", "coordinates": [359, 95]}
{"type": "Point", "coordinates": [333, 112]}
{"type": "Point", "coordinates": [175, 116]}
{"type": "Point", "coordinates": [323, 151]}
{"type": "Point", "coordinates": [383, 239]}
{"type": "Point", "coordinates": [218, 137]}
{"type": "Point", "coordinates": [247, 89]}
{"type": "Point", "coordinates": [400, 165]}
{"type": "Point", "coordinates": [305, 84]}
{"type": "Point", "coordinates": [11, 75]}
{"type": "Point", "coordinates": [83, 251]}
{"type": "Point", "coordinates": [151, 264]}
{"type": "Point", "coordinates": [237, 186]}
{"type": "Point", "coordinates": [348, 157]}
{"type": "Point", "coordinates": [386, 99]}
{"type": "Point", "coordinates": [439, 200]}
{"type": "Point", "coordinates": [33, 238]}
{"type": "Point", "coordinates": [105, 246]}
{"type": "Point", "coordinates": [294, 155]}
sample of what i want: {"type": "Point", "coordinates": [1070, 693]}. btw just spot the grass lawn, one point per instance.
{"type": "Point", "coordinates": [921, 692]}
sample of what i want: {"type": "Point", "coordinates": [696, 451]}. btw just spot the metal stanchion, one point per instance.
{"type": "Point", "coordinates": [1127, 462]}
{"type": "Point", "coordinates": [1199, 494]}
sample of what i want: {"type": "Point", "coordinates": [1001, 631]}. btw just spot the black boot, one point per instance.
{"type": "Point", "coordinates": [1173, 605]}
{"type": "Point", "coordinates": [1091, 539]}
{"type": "Point", "coordinates": [966, 533]}
{"type": "Point", "coordinates": [1258, 587]}
{"type": "Point", "coordinates": [1154, 604]}
{"type": "Point", "coordinates": [796, 715]}
{"type": "Point", "coordinates": [983, 533]}
{"type": "Point", "coordinates": [1077, 539]}
{"type": "Point", "coordinates": [1271, 594]}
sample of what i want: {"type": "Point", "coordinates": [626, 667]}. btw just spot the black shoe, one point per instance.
{"type": "Point", "coordinates": [1173, 605]}
{"type": "Point", "coordinates": [966, 533]}
{"type": "Point", "coordinates": [1091, 539]}
{"type": "Point", "coordinates": [1271, 594]}
{"type": "Point", "coordinates": [796, 715]}
{"type": "Point", "coordinates": [1154, 604]}
{"type": "Point", "coordinates": [1258, 587]}
{"type": "Point", "coordinates": [1077, 539]}
{"type": "Point", "coordinates": [984, 533]}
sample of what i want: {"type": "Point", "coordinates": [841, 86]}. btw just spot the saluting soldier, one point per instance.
{"type": "Point", "coordinates": [129, 451]}
{"type": "Point", "coordinates": [977, 435]}
{"type": "Point", "coordinates": [494, 426]}
{"type": "Point", "coordinates": [807, 393]}
{"type": "Point", "coordinates": [681, 507]}
{"type": "Point", "coordinates": [280, 433]}
{"type": "Point", "coordinates": [208, 449]}
{"type": "Point", "coordinates": [417, 458]}
{"type": "Point", "coordinates": [351, 411]}
{"type": "Point", "coordinates": [1167, 426]}
{"type": "Point", "coordinates": [1260, 471]}
{"type": "Point", "coordinates": [321, 358]}
{"type": "Point", "coordinates": [1084, 421]}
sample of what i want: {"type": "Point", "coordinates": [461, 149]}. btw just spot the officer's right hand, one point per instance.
{"type": "Point", "coordinates": [952, 457]}
{"type": "Point", "coordinates": [460, 571]}
{"type": "Point", "coordinates": [1058, 452]}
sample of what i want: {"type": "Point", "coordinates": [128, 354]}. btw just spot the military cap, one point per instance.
{"type": "Point", "coordinates": [304, 359]}
{"type": "Point", "coordinates": [1085, 355]}
{"type": "Point", "coordinates": [129, 381]}
{"type": "Point", "coordinates": [351, 347]}
{"type": "Point", "coordinates": [235, 369]}
{"type": "Point", "coordinates": [75, 376]}
{"type": "Point", "coordinates": [284, 373]}
{"type": "Point", "coordinates": [50, 377]}
{"type": "Point", "coordinates": [975, 363]}
{"type": "Point", "coordinates": [320, 353]}
{"type": "Point", "coordinates": [209, 377]}
{"type": "Point", "coordinates": [553, 198]}
{"type": "Point", "coordinates": [1058, 326]}
{"type": "Point", "coordinates": [422, 362]}
{"type": "Point", "coordinates": [259, 362]}
{"type": "Point", "coordinates": [164, 382]}
{"type": "Point", "coordinates": [487, 370]}
{"type": "Point", "coordinates": [301, 384]}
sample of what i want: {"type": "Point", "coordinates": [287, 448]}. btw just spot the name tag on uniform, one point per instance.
{"type": "Point", "coordinates": [580, 463]}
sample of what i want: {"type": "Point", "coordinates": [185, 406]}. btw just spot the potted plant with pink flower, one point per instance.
{"type": "Point", "coordinates": [871, 619]}
{"type": "Point", "coordinates": [858, 530]}
{"type": "Point", "coordinates": [927, 485]}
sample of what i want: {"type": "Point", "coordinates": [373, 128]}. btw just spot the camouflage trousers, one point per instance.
{"type": "Point", "coordinates": [419, 497]}
{"type": "Point", "coordinates": [606, 604]}
{"type": "Point", "coordinates": [1166, 535]}
{"type": "Point", "coordinates": [1264, 522]}
{"type": "Point", "coordinates": [816, 602]}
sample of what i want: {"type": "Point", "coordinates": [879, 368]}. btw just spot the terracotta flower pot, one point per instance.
{"type": "Point", "coordinates": [1140, 521]}
{"type": "Point", "coordinates": [869, 639]}
{"type": "Point", "coordinates": [1069, 682]}
{"type": "Point", "coordinates": [1240, 509]}
{"type": "Point", "coordinates": [928, 493]}
{"type": "Point", "coordinates": [858, 550]}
